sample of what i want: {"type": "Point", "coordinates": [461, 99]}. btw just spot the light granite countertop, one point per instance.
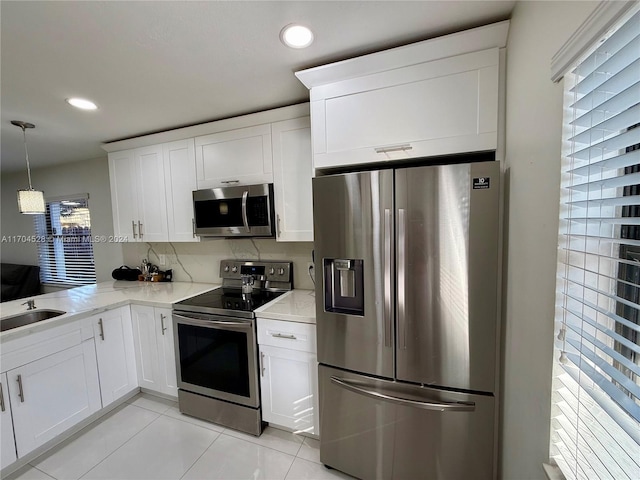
{"type": "Point", "coordinates": [89, 300]}
{"type": "Point", "coordinates": [293, 306]}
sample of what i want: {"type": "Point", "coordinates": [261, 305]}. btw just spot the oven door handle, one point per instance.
{"type": "Point", "coordinates": [214, 323]}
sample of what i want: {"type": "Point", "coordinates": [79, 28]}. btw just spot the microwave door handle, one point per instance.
{"type": "Point", "coordinates": [245, 220]}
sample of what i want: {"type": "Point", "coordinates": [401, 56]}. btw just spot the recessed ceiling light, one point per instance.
{"type": "Point", "coordinates": [82, 103]}
{"type": "Point", "coordinates": [296, 36]}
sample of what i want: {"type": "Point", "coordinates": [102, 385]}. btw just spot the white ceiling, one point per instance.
{"type": "Point", "coordinates": [158, 65]}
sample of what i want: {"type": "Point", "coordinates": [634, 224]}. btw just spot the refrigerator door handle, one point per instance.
{"type": "Point", "coordinates": [435, 405]}
{"type": "Point", "coordinates": [387, 277]}
{"type": "Point", "coordinates": [402, 240]}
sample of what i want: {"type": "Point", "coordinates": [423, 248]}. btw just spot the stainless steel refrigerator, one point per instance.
{"type": "Point", "coordinates": [407, 320]}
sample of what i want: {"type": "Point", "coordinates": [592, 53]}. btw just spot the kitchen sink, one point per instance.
{"type": "Point", "coordinates": [27, 318]}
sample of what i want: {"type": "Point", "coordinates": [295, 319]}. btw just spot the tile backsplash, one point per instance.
{"type": "Point", "coordinates": [200, 261]}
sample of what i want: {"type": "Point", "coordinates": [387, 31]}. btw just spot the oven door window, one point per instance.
{"type": "Point", "coordinates": [214, 358]}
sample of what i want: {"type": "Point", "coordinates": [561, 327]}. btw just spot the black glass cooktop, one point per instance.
{"type": "Point", "coordinates": [227, 301]}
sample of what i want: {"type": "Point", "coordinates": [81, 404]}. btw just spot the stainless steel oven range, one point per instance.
{"type": "Point", "coordinates": [216, 344]}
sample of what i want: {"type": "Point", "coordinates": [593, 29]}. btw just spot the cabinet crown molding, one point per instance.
{"type": "Point", "coordinates": [249, 120]}
{"type": "Point", "coordinates": [481, 38]}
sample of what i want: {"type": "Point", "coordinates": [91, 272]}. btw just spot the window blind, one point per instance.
{"type": "Point", "coordinates": [595, 424]}
{"type": "Point", "coordinates": [65, 248]}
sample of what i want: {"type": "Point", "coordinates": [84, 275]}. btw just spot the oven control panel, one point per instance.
{"type": "Point", "coordinates": [261, 270]}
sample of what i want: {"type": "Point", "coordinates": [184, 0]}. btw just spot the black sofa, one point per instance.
{"type": "Point", "coordinates": [19, 281]}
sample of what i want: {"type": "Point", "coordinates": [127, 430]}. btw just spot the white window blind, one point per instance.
{"type": "Point", "coordinates": [595, 424]}
{"type": "Point", "coordinates": [65, 248]}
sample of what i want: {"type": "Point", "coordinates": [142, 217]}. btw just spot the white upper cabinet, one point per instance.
{"type": "Point", "coordinates": [234, 157]}
{"type": "Point", "coordinates": [180, 182]}
{"type": "Point", "coordinates": [138, 194]}
{"type": "Point", "coordinates": [292, 173]}
{"type": "Point", "coordinates": [437, 97]}
{"type": "Point", "coordinates": [152, 206]}
{"type": "Point", "coordinates": [124, 194]}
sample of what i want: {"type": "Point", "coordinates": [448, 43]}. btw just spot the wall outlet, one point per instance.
{"type": "Point", "coordinates": [310, 266]}
{"type": "Point", "coordinates": [162, 259]}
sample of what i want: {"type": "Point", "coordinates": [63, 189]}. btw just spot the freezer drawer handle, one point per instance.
{"type": "Point", "coordinates": [439, 406]}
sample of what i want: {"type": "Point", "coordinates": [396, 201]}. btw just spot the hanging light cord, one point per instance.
{"type": "Point", "coordinates": [26, 154]}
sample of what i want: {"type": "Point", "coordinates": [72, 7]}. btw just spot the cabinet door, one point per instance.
{"type": "Point", "coordinates": [115, 354]}
{"type": "Point", "coordinates": [7, 441]}
{"type": "Point", "coordinates": [52, 394]}
{"type": "Point", "coordinates": [146, 346]}
{"type": "Point", "coordinates": [124, 195]}
{"type": "Point", "coordinates": [442, 107]}
{"type": "Point", "coordinates": [292, 173]}
{"type": "Point", "coordinates": [152, 203]}
{"type": "Point", "coordinates": [289, 386]}
{"type": "Point", "coordinates": [155, 357]}
{"type": "Point", "coordinates": [241, 156]}
{"type": "Point", "coordinates": [180, 182]}
{"type": "Point", "coordinates": [166, 350]}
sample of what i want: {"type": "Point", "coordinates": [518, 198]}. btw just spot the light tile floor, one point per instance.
{"type": "Point", "coordinates": [148, 438]}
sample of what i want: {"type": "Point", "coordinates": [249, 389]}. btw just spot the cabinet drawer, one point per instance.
{"type": "Point", "coordinates": [291, 335]}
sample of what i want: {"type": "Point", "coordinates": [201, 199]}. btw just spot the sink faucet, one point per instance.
{"type": "Point", "coordinates": [31, 304]}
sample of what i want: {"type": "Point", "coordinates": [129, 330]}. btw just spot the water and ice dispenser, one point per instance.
{"type": "Point", "coordinates": [343, 286]}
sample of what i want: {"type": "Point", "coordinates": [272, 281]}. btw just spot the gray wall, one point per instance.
{"type": "Point", "coordinates": [90, 176]}
{"type": "Point", "coordinates": [533, 141]}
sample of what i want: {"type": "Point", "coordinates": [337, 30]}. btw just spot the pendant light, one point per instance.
{"type": "Point", "coordinates": [29, 201]}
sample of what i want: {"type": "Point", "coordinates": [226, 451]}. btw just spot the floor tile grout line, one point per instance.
{"type": "Point", "coordinates": [127, 441]}
{"type": "Point", "coordinates": [42, 471]}
{"type": "Point", "coordinates": [261, 445]}
{"type": "Point", "coordinates": [205, 451]}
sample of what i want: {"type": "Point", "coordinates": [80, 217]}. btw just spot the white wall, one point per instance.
{"type": "Point", "coordinates": [90, 176]}
{"type": "Point", "coordinates": [200, 262]}
{"type": "Point", "coordinates": [533, 141]}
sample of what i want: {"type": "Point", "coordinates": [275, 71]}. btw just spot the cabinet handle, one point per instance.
{"type": "Point", "coordinates": [278, 221]}
{"type": "Point", "coordinates": [140, 229]}
{"type": "Point", "coordinates": [193, 227]}
{"type": "Point", "coordinates": [20, 391]}
{"type": "Point", "coordinates": [261, 364]}
{"type": "Point", "coordinates": [162, 317]}
{"type": "Point", "coordinates": [101, 329]}
{"type": "Point", "coordinates": [133, 227]}
{"type": "Point", "coordinates": [230, 181]}
{"type": "Point", "coordinates": [394, 148]}
{"type": "Point", "coordinates": [1, 398]}
{"type": "Point", "coordinates": [282, 335]}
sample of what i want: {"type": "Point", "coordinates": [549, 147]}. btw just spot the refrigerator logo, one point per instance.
{"type": "Point", "coordinates": [481, 183]}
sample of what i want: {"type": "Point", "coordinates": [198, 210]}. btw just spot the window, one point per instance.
{"type": "Point", "coordinates": [65, 248]}
{"type": "Point", "coordinates": [595, 425]}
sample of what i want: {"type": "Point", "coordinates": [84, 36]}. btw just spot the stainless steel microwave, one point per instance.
{"type": "Point", "coordinates": [238, 211]}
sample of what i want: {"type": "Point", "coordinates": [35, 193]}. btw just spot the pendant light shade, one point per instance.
{"type": "Point", "coordinates": [30, 201]}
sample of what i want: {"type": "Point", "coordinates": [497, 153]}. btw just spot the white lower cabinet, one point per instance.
{"type": "Point", "coordinates": [289, 375]}
{"type": "Point", "coordinates": [52, 394]}
{"type": "Point", "coordinates": [155, 351]}
{"type": "Point", "coordinates": [7, 441]}
{"type": "Point", "coordinates": [115, 354]}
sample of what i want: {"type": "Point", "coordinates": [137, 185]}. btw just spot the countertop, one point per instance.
{"type": "Point", "coordinates": [293, 306]}
{"type": "Point", "coordinates": [84, 301]}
